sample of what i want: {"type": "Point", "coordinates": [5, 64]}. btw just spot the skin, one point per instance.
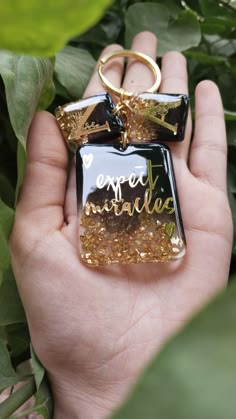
{"type": "Point", "coordinates": [94, 330]}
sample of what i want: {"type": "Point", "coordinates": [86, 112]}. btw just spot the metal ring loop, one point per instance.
{"type": "Point", "coordinates": [145, 59]}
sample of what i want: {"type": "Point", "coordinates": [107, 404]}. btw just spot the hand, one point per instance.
{"type": "Point", "coordinates": [95, 329]}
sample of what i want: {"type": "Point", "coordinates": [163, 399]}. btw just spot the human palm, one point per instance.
{"type": "Point", "coordinates": [95, 329]}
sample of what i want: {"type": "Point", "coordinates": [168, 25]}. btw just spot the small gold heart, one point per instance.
{"type": "Point", "coordinates": [169, 229]}
{"type": "Point", "coordinates": [87, 160]}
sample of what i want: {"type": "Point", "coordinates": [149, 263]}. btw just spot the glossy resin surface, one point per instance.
{"type": "Point", "coordinates": [155, 117]}
{"type": "Point", "coordinates": [128, 205]}
{"type": "Point", "coordinates": [89, 120]}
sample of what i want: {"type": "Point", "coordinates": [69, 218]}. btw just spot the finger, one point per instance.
{"type": "Point", "coordinates": [113, 71]}
{"type": "Point", "coordinates": [138, 77]}
{"type": "Point", "coordinates": [175, 80]}
{"type": "Point", "coordinates": [44, 184]}
{"type": "Point", "coordinates": [209, 148]}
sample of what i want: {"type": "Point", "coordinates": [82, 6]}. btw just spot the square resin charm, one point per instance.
{"type": "Point", "coordinates": [89, 120]}
{"type": "Point", "coordinates": [128, 205]}
{"type": "Point", "coordinates": [153, 117]}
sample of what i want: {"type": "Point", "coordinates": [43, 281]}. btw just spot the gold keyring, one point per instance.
{"type": "Point", "coordinates": [145, 59]}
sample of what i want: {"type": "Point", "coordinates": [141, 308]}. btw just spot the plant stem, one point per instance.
{"type": "Point", "coordinates": [227, 5]}
{"type": "Point", "coordinates": [17, 399]}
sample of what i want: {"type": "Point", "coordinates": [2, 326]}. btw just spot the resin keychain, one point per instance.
{"type": "Point", "coordinates": [128, 204]}
{"type": "Point", "coordinates": [126, 192]}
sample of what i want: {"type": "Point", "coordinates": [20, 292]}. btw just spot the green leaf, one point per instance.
{"type": "Point", "coordinates": [194, 376]}
{"type": "Point", "coordinates": [215, 8]}
{"type": "Point", "coordinates": [204, 58]}
{"type": "Point", "coordinates": [38, 369]}
{"type": "Point", "coordinates": [73, 69]}
{"type": "Point", "coordinates": [220, 46]}
{"type": "Point", "coordinates": [193, 4]}
{"type": "Point", "coordinates": [17, 399]}
{"type": "Point", "coordinates": [229, 115]}
{"type": "Point", "coordinates": [231, 171]}
{"type": "Point", "coordinates": [3, 335]}
{"type": "Point", "coordinates": [60, 91]}
{"type": "Point", "coordinates": [18, 340]}
{"type": "Point", "coordinates": [174, 33]}
{"type": "Point", "coordinates": [96, 35]}
{"type": "Point", "coordinates": [231, 133]}
{"type": "Point", "coordinates": [219, 25]}
{"type": "Point", "coordinates": [6, 191]}
{"type": "Point", "coordinates": [42, 27]}
{"type": "Point", "coordinates": [232, 202]}
{"type": "Point", "coordinates": [21, 166]}
{"type": "Point", "coordinates": [225, 81]}
{"type": "Point", "coordinates": [8, 376]}
{"type": "Point", "coordinates": [209, 7]}
{"type": "Point", "coordinates": [43, 404]}
{"type": "Point", "coordinates": [11, 309]}
{"type": "Point", "coordinates": [105, 32]}
{"type": "Point", "coordinates": [6, 221]}
{"type": "Point", "coordinates": [29, 85]}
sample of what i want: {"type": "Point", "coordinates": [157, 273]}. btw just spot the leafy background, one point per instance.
{"type": "Point", "coordinates": [47, 56]}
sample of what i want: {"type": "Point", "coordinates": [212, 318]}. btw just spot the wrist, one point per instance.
{"type": "Point", "coordinates": [77, 401]}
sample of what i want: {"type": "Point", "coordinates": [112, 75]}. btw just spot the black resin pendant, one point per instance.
{"type": "Point", "coordinates": [128, 205]}
{"type": "Point", "coordinates": [145, 118]}
{"type": "Point", "coordinates": [152, 117]}
{"type": "Point", "coordinates": [89, 120]}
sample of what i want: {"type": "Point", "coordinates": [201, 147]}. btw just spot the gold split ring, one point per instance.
{"type": "Point", "coordinates": [139, 56]}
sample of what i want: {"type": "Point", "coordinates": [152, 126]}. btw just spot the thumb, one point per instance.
{"type": "Point", "coordinates": [41, 200]}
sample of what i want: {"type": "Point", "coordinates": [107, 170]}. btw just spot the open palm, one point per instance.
{"type": "Point", "coordinates": [95, 329]}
